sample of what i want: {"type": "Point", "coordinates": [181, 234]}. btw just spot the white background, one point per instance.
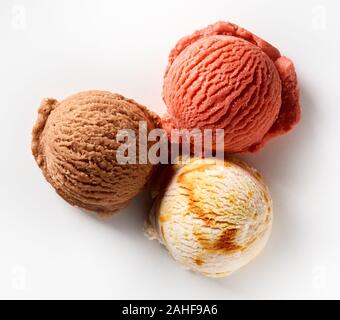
{"type": "Point", "coordinates": [49, 249]}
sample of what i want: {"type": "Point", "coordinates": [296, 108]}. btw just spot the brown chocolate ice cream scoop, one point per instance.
{"type": "Point", "coordinates": [75, 144]}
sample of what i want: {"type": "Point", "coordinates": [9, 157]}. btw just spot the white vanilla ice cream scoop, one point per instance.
{"type": "Point", "coordinates": [214, 216]}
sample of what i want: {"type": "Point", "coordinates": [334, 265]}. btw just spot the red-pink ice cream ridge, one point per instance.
{"type": "Point", "coordinates": [225, 77]}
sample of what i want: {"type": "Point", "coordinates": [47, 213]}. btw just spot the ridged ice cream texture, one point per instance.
{"type": "Point", "coordinates": [74, 143]}
{"type": "Point", "coordinates": [213, 216]}
{"type": "Point", "coordinates": [225, 77]}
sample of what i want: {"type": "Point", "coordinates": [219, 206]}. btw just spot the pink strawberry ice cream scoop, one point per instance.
{"type": "Point", "coordinates": [225, 77]}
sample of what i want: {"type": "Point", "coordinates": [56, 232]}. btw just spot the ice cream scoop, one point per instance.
{"type": "Point", "coordinates": [225, 77]}
{"type": "Point", "coordinates": [213, 216]}
{"type": "Point", "coordinates": [75, 144]}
